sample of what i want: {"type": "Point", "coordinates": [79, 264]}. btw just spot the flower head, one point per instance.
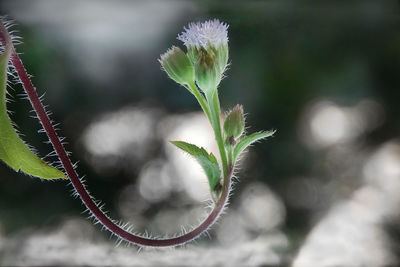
{"type": "Point", "coordinates": [207, 45]}
{"type": "Point", "coordinates": [212, 32]}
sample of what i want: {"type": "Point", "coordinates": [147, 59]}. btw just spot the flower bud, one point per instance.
{"type": "Point", "coordinates": [177, 65]}
{"type": "Point", "coordinates": [234, 124]}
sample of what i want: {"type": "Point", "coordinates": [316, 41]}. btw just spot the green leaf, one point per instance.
{"type": "Point", "coordinates": [13, 151]}
{"type": "Point", "coordinates": [248, 140]}
{"type": "Point", "coordinates": [207, 161]}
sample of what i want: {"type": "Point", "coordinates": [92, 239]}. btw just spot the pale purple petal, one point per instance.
{"type": "Point", "coordinates": [212, 32]}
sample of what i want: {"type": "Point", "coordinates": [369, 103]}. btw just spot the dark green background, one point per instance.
{"type": "Point", "coordinates": [284, 55]}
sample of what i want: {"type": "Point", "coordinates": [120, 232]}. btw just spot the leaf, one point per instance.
{"type": "Point", "coordinates": [13, 151]}
{"type": "Point", "coordinates": [207, 161]}
{"type": "Point", "coordinates": [248, 140]}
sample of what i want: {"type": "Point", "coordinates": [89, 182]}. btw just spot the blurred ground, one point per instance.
{"type": "Point", "coordinates": [323, 192]}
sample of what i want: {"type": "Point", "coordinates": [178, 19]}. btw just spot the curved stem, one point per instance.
{"type": "Point", "coordinates": [77, 184]}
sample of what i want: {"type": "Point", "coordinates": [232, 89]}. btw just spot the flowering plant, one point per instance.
{"type": "Point", "coordinates": [200, 70]}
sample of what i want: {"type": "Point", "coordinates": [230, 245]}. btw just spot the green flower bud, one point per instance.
{"type": "Point", "coordinates": [177, 65]}
{"type": "Point", "coordinates": [234, 124]}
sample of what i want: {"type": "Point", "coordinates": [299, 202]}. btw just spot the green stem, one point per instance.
{"type": "Point", "coordinates": [212, 109]}
{"type": "Point", "coordinates": [215, 110]}
{"type": "Point", "coordinates": [200, 98]}
{"type": "Point", "coordinates": [230, 155]}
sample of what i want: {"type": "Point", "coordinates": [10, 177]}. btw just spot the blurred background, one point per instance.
{"type": "Point", "coordinates": [324, 191]}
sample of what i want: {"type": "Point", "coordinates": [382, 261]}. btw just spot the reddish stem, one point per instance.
{"type": "Point", "coordinates": [80, 189]}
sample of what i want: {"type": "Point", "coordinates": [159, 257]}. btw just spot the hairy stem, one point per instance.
{"type": "Point", "coordinates": [77, 184]}
{"type": "Point", "coordinates": [215, 110]}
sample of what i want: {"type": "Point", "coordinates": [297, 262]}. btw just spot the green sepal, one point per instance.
{"type": "Point", "coordinates": [248, 140]}
{"type": "Point", "coordinates": [207, 161]}
{"type": "Point", "coordinates": [13, 151]}
{"type": "Point", "coordinates": [209, 65]}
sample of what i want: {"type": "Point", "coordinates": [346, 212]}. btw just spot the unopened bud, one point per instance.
{"type": "Point", "coordinates": [177, 65]}
{"type": "Point", "coordinates": [234, 123]}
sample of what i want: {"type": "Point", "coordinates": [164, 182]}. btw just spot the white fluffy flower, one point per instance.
{"type": "Point", "coordinates": [212, 32]}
